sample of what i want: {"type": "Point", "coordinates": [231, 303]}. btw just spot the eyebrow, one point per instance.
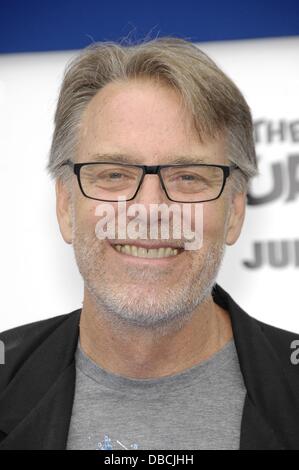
{"type": "Point", "coordinates": [121, 158]}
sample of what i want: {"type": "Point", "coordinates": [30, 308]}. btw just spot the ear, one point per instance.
{"type": "Point", "coordinates": [64, 210]}
{"type": "Point", "coordinates": [237, 211]}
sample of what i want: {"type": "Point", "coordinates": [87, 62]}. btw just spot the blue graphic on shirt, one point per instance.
{"type": "Point", "coordinates": [106, 444]}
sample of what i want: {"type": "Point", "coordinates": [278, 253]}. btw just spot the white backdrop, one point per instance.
{"type": "Point", "coordinates": [38, 275]}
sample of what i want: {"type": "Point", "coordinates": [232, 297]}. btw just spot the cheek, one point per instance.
{"type": "Point", "coordinates": [97, 219]}
{"type": "Point", "coordinates": [86, 218]}
{"type": "Point", "coordinates": [214, 222]}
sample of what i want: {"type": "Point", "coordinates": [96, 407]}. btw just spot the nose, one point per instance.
{"type": "Point", "coordinates": [151, 191]}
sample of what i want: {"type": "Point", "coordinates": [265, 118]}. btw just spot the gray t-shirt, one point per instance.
{"type": "Point", "coordinates": [198, 408]}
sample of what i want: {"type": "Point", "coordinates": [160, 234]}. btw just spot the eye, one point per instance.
{"type": "Point", "coordinates": [115, 175]}
{"type": "Point", "coordinates": [189, 177]}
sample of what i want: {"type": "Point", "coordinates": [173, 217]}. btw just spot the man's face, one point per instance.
{"type": "Point", "coordinates": [145, 122]}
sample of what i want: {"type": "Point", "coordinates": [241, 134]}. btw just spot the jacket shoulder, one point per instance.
{"type": "Point", "coordinates": [20, 342]}
{"type": "Point", "coordinates": [277, 335]}
{"type": "Point", "coordinates": [284, 344]}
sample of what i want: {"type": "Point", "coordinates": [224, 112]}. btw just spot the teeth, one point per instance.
{"type": "Point", "coordinates": [134, 250]}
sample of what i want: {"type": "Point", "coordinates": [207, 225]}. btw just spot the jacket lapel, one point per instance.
{"type": "Point", "coordinates": [36, 407]}
{"type": "Point", "coordinates": [270, 415]}
{"type": "Point", "coordinates": [256, 433]}
{"type": "Point", "coordinates": [46, 426]}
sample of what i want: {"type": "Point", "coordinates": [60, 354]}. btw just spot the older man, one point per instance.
{"type": "Point", "coordinates": [159, 356]}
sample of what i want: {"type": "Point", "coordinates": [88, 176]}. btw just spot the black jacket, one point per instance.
{"type": "Point", "coordinates": [37, 382]}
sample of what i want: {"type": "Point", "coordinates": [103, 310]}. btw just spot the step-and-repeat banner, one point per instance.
{"type": "Point", "coordinates": [38, 274]}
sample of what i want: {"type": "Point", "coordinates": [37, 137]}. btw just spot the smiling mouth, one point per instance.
{"type": "Point", "coordinates": [142, 252]}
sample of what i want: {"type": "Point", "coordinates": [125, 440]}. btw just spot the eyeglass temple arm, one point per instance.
{"type": "Point", "coordinates": [67, 162]}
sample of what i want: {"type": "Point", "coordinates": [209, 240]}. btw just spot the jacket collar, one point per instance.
{"type": "Point", "coordinates": [36, 406]}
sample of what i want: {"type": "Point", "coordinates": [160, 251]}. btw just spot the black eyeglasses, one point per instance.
{"type": "Point", "coordinates": [107, 181]}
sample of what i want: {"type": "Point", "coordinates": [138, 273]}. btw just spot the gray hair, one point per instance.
{"type": "Point", "coordinates": [217, 105]}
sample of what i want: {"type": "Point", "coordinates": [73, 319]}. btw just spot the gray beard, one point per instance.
{"type": "Point", "coordinates": [121, 306]}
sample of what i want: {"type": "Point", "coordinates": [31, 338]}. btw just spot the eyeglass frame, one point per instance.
{"type": "Point", "coordinates": [151, 170]}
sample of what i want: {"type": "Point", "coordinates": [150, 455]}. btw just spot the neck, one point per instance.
{"type": "Point", "coordinates": [141, 353]}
